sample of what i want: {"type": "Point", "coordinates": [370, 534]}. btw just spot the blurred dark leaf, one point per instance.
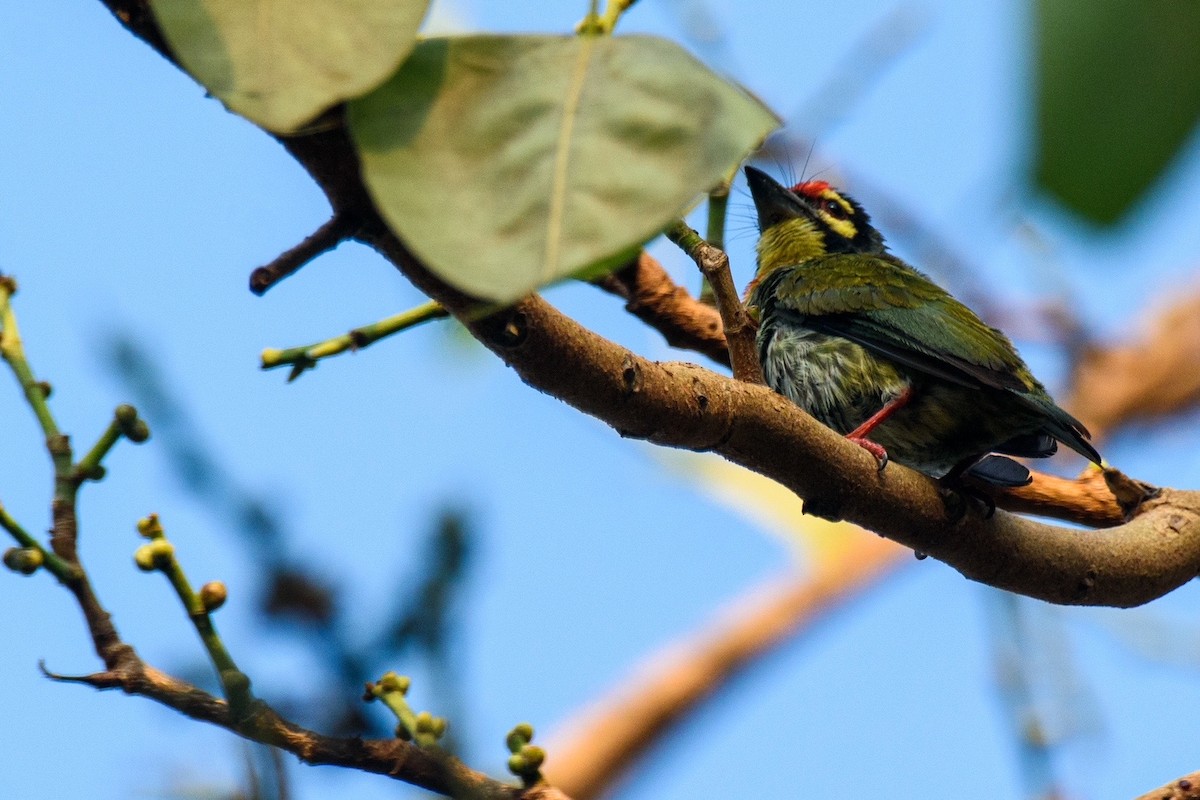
{"type": "Point", "coordinates": [1118, 94]}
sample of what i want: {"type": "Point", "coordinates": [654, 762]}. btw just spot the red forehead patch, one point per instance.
{"type": "Point", "coordinates": [811, 188]}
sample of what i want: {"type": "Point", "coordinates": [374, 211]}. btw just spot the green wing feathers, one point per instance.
{"type": "Point", "coordinates": [896, 312]}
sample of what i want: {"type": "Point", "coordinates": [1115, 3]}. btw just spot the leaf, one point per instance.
{"type": "Point", "coordinates": [1118, 85]}
{"type": "Point", "coordinates": [281, 62]}
{"type": "Point", "coordinates": [506, 163]}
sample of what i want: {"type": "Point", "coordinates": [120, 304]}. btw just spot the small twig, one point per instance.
{"type": "Point", "coordinates": [739, 328]}
{"type": "Point", "coordinates": [340, 227]}
{"type": "Point", "coordinates": [13, 351]}
{"type": "Point", "coordinates": [305, 357]}
{"type": "Point", "coordinates": [159, 554]}
{"type": "Point", "coordinates": [59, 567]}
{"type": "Point", "coordinates": [718, 206]}
{"type": "Point", "coordinates": [125, 423]}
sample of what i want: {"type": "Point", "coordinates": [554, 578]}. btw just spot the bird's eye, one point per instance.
{"type": "Point", "coordinates": [834, 209]}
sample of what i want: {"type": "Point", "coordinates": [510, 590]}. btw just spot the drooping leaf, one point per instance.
{"type": "Point", "coordinates": [281, 62]}
{"type": "Point", "coordinates": [507, 163]}
{"type": "Point", "coordinates": [1118, 85]}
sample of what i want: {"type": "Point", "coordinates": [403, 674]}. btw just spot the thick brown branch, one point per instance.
{"type": "Point", "coordinates": [686, 406]}
{"type": "Point", "coordinates": [1185, 788]}
{"type": "Point", "coordinates": [682, 405]}
{"type": "Point", "coordinates": [591, 756]}
{"type": "Point", "coordinates": [1149, 377]}
{"type": "Point", "coordinates": [653, 297]}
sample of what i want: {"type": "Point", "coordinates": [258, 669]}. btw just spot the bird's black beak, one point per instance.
{"type": "Point", "coordinates": [773, 201]}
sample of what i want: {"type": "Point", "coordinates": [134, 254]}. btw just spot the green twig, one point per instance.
{"type": "Point", "coordinates": [159, 554]}
{"type": "Point", "coordinates": [89, 465]}
{"type": "Point", "coordinates": [59, 568]}
{"type": "Point", "coordinates": [718, 205]}
{"type": "Point", "coordinates": [422, 727]}
{"type": "Point", "coordinates": [613, 12]}
{"type": "Point", "coordinates": [13, 351]}
{"type": "Point", "coordinates": [305, 357]}
{"type": "Point", "coordinates": [598, 24]}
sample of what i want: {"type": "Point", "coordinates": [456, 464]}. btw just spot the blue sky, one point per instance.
{"type": "Point", "coordinates": [131, 203]}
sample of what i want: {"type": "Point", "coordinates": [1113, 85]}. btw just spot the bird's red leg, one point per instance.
{"type": "Point", "coordinates": [859, 435]}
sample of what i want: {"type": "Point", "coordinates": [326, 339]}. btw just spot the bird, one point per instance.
{"type": "Point", "coordinates": [875, 350]}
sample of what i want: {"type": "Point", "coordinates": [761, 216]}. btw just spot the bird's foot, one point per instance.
{"type": "Point", "coordinates": [958, 497]}
{"type": "Point", "coordinates": [873, 448]}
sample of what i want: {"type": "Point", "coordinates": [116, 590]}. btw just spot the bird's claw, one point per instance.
{"type": "Point", "coordinates": [875, 449]}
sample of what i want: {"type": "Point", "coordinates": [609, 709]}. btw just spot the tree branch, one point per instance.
{"type": "Point", "coordinates": [653, 297]}
{"type": "Point", "coordinates": [1152, 376]}
{"type": "Point", "coordinates": [739, 328]}
{"type": "Point", "coordinates": [686, 406]}
{"type": "Point", "coordinates": [618, 729]}
{"type": "Point", "coordinates": [1185, 788]}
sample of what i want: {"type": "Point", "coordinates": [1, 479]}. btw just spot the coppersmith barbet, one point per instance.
{"type": "Point", "coordinates": [878, 352]}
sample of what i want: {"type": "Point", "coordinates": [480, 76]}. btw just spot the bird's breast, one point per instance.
{"type": "Point", "coordinates": [837, 381]}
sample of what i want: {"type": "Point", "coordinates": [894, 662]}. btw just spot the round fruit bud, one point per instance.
{"type": "Point", "coordinates": [150, 527]}
{"type": "Point", "coordinates": [96, 473]}
{"type": "Point", "coordinates": [518, 737]}
{"type": "Point", "coordinates": [25, 560]}
{"type": "Point", "coordinates": [144, 558]}
{"type": "Point", "coordinates": [162, 552]}
{"type": "Point", "coordinates": [126, 415]}
{"type": "Point", "coordinates": [533, 755]}
{"type": "Point", "coordinates": [517, 765]}
{"type": "Point", "coordinates": [439, 726]}
{"type": "Point", "coordinates": [45, 388]}
{"type": "Point", "coordinates": [138, 432]}
{"type": "Point", "coordinates": [424, 722]}
{"type": "Point", "coordinates": [213, 595]}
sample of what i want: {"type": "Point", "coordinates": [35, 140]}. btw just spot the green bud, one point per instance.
{"type": "Point", "coordinates": [391, 682]}
{"type": "Point", "coordinates": [125, 415]}
{"type": "Point", "coordinates": [533, 755]}
{"type": "Point", "coordinates": [45, 388]}
{"type": "Point", "coordinates": [517, 765]}
{"type": "Point", "coordinates": [213, 595]}
{"type": "Point", "coordinates": [8, 284]}
{"type": "Point", "coordinates": [144, 558]}
{"type": "Point", "coordinates": [150, 527]}
{"type": "Point", "coordinates": [133, 427]}
{"type": "Point", "coordinates": [424, 722]}
{"type": "Point", "coordinates": [157, 554]}
{"type": "Point", "coordinates": [25, 560]}
{"type": "Point", "coordinates": [519, 736]}
{"type": "Point", "coordinates": [96, 473]}
{"type": "Point", "coordinates": [439, 726]}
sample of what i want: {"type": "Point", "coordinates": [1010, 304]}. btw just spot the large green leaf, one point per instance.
{"type": "Point", "coordinates": [507, 163]}
{"type": "Point", "coordinates": [281, 62]}
{"type": "Point", "coordinates": [1118, 93]}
